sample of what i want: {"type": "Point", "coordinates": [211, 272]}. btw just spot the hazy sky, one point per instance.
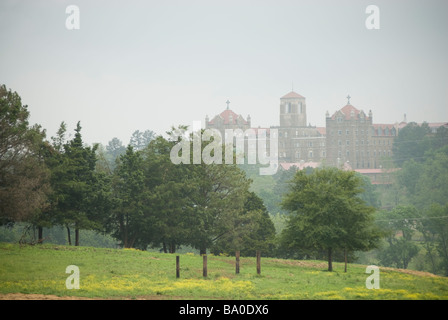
{"type": "Point", "coordinates": [153, 64]}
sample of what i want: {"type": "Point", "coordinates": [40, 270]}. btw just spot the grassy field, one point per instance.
{"type": "Point", "coordinates": [132, 274]}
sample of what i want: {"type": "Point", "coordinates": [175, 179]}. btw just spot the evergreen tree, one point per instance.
{"type": "Point", "coordinates": [73, 181]}
{"type": "Point", "coordinates": [129, 217]}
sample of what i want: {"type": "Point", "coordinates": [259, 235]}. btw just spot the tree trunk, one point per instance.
{"type": "Point", "coordinates": [330, 260]}
{"type": "Point", "coordinates": [203, 250]}
{"type": "Point", "coordinates": [69, 238]}
{"type": "Point", "coordinates": [76, 237]}
{"type": "Point", "coordinates": [237, 262]}
{"type": "Point", "coordinates": [40, 237]}
{"type": "Point", "coordinates": [345, 258]}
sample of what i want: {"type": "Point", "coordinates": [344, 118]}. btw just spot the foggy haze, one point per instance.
{"type": "Point", "coordinates": [141, 65]}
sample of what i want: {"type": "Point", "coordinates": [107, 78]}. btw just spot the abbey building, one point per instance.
{"type": "Point", "coordinates": [350, 137]}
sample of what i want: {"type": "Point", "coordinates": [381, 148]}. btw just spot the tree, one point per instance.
{"type": "Point", "coordinates": [168, 189]}
{"type": "Point", "coordinates": [73, 181]}
{"type": "Point", "coordinates": [115, 148]}
{"type": "Point", "coordinates": [328, 214]}
{"type": "Point", "coordinates": [129, 218]}
{"type": "Point", "coordinates": [432, 186]}
{"type": "Point", "coordinates": [216, 200]}
{"type": "Point", "coordinates": [139, 140]}
{"type": "Point", "coordinates": [434, 227]}
{"type": "Point", "coordinates": [400, 225]}
{"type": "Point", "coordinates": [215, 192]}
{"type": "Point", "coordinates": [411, 143]}
{"type": "Point", "coordinates": [252, 230]}
{"type": "Point", "coordinates": [23, 175]}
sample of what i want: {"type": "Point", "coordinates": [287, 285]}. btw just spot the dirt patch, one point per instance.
{"type": "Point", "coordinates": [413, 272]}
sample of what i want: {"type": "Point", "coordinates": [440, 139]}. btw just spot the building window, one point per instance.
{"type": "Point", "coordinates": [340, 142]}
{"type": "Point", "coordinates": [300, 107]}
{"type": "Point", "coordinates": [310, 154]}
{"type": "Point", "coordinates": [347, 142]}
{"type": "Point", "coordinates": [347, 132]}
{"type": "Point", "coordinates": [347, 154]}
{"type": "Point", "coordinates": [286, 134]}
{"type": "Point", "coordinates": [339, 132]}
{"type": "Point", "coordinates": [310, 144]}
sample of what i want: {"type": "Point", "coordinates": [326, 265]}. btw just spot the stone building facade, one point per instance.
{"type": "Point", "coordinates": [353, 138]}
{"type": "Point", "coordinates": [349, 139]}
{"type": "Point", "coordinates": [297, 141]}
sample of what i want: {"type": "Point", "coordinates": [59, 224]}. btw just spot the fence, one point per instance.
{"type": "Point", "coordinates": [205, 268]}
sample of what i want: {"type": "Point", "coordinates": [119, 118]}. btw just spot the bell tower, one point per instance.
{"type": "Point", "coordinates": [292, 110]}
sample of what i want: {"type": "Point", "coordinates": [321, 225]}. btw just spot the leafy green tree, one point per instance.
{"type": "Point", "coordinates": [327, 213]}
{"type": "Point", "coordinates": [411, 143]}
{"type": "Point", "coordinates": [168, 189]}
{"type": "Point", "coordinates": [215, 196]}
{"type": "Point", "coordinates": [24, 185]}
{"type": "Point", "coordinates": [252, 230]}
{"type": "Point", "coordinates": [432, 186]}
{"type": "Point", "coordinates": [434, 228]}
{"type": "Point", "coordinates": [216, 200]}
{"type": "Point", "coordinates": [400, 225]}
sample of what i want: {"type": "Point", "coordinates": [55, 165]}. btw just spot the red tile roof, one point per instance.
{"type": "Point", "coordinates": [347, 112]}
{"type": "Point", "coordinates": [225, 115]}
{"type": "Point", "coordinates": [322, 130]}
{"type": "Point", "coordinates": [292, 94]}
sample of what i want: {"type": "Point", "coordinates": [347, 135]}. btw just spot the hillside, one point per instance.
{"type": "Point", "coordinates": [131, 274]}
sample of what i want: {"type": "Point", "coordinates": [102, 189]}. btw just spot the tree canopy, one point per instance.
{"type": "Point", "coordinates": [326, 213]}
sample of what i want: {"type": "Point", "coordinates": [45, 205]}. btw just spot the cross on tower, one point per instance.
{"type": "Point", "coordinates": [228, 102]}
{"type": "Point", "coordinates": [348, 99]}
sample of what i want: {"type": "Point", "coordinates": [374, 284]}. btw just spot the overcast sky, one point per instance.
{"type": "Point", "coordinates": [153, 64]}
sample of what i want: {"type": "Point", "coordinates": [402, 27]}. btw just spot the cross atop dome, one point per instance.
{"type": "Point", "coordinates": [228, 102]}
{"type": "Point", "coordinates": [348, 99]}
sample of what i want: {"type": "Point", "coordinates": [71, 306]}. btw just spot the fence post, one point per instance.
{"type": "Point", "coordinates": [237, 262]}
{"type": "Point", "coordinates": [177, 267]}
{"type": "Point", "coordinates": [204, 266]}
{"type": "Point", "coordinates": [258, 262]}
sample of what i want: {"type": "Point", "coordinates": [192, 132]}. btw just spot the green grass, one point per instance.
{"type": "Point", "coordinates": [128, 274]}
